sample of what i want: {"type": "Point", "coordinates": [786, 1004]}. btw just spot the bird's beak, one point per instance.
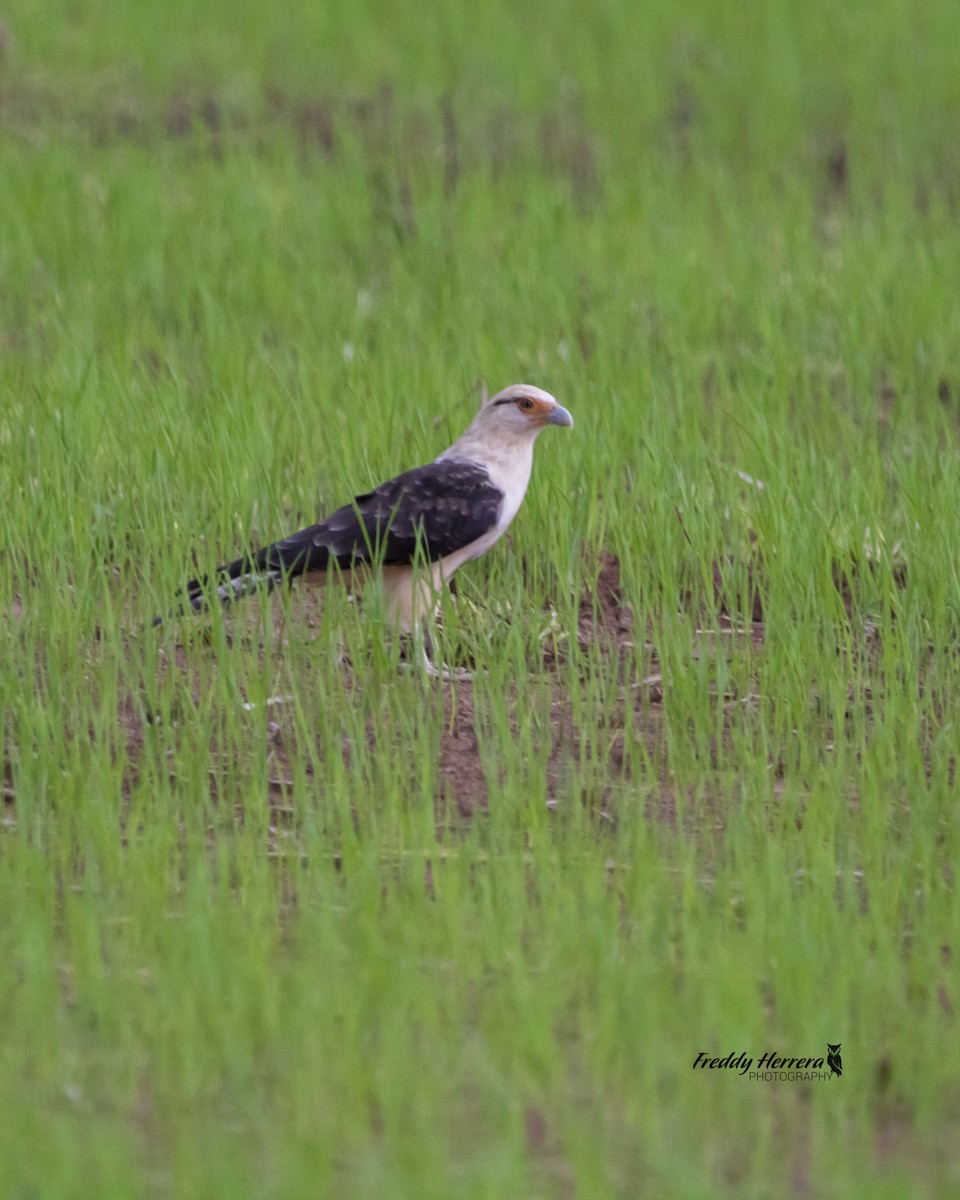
{"type": "Point", "coordinates": [560, 416]}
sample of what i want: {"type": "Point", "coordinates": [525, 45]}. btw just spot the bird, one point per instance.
{"type": "Point", "coordinates": [415, 529]}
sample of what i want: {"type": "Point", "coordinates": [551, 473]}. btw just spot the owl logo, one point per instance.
{"type": "Point", "coordinates": [833, 1059]}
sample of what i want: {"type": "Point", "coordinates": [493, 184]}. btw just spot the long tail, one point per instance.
{"type": "Point", "coordinates": [310, 549]}
{"type": "Point", "coordinates": [228, 584]}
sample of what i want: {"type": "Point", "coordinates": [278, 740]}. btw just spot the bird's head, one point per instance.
{"type": "Point", "coordinates": [507, 425]}
{"type": "Point", "coordinates": [522, 410]}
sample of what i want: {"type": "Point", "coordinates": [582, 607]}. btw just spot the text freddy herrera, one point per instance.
{"type": "Point", "coordinates": [770, 1061]}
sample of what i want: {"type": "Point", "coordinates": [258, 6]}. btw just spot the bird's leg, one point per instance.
{"type": "Point", "coordinates": [421, 642]}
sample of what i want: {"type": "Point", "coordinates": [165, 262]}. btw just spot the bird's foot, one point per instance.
{"type": "Point", "coordinates": [448, 674]}
{"type": "Point", "coordinates": [270, 702]}
{"type": "Point", "coordinates": [426, 664]}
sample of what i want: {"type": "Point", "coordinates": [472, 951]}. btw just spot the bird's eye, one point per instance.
{"type": "Point", "coordinates": [526, 404]}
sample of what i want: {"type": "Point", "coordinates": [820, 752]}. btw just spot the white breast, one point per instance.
{"type": "Point", "coordinates": [510, 472]}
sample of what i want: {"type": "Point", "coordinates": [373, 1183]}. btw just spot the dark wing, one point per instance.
{"type": "Point", "coordinates": [431, 511]}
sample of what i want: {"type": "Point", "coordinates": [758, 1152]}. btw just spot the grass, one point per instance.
{"type": "Point", "coordinates": [402, 938]}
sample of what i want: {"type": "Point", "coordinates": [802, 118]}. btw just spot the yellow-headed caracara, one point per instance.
{"type": "Point", "coordinates": [418, 528]}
